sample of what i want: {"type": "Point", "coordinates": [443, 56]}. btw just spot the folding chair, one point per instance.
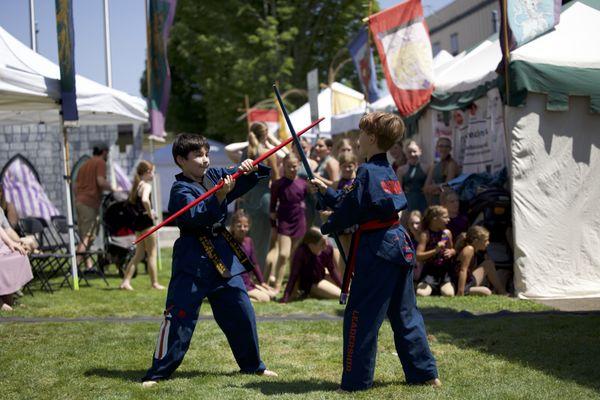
{"type": "Point", "coordinates": [45, 263]}
{"type": "Point", "coordinates": [61, 230]}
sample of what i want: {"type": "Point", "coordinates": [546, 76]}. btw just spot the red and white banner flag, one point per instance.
{"type": "Point", "coordinates": [402, 40]}
{"type": "Point", "coordinates": [269, 117]}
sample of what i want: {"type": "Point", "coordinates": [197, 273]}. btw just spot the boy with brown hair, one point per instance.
{"type": "Point", "coordinates": [382, 258]}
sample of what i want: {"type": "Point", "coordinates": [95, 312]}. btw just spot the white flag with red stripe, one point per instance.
{"type": "Point", "coordinates": [402, 40]}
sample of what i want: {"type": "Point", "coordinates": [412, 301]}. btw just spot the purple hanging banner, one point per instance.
{"type": "Point", "coordinates": [161, 14]}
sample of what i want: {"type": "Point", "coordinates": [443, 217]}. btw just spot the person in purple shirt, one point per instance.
{"type": "Point", "coordinates": [312, 258]}
{"type": "Point", "coordinates": [459, 223]}
{"type": "Point", "coordinates": [288, 215]}
{"type": "Point", "coordinates": [240, 225]}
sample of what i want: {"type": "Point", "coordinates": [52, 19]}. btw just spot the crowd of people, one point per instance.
{"type": "Point", "coordinates": [451, 257]}
{"type": "Point", "coordinates": [276, 223]}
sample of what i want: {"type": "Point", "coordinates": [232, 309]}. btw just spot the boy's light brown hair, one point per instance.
{"type": "Point", "coordinates": [387, 128]}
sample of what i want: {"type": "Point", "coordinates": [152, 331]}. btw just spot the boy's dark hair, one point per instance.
{"type": "Point", "coordinates": [328, 143]}
{"type": "Point", "coordinates": [99, 148]}
{"type": "Point", "coordinates": [387, 128]}
{"type": "Point", "coordinates": [185, 143]}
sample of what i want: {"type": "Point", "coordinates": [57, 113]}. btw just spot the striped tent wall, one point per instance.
{"type": "Point", "coordinates": [22, 188]}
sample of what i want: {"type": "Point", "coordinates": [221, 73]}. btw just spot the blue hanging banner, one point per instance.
{"type": "Point", "coordinates": [66, 60]}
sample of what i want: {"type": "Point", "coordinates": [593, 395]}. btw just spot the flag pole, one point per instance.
{"type": "Point", "coordinates": [67, 177]}
{"type": "Point", "coordinates": [154, 183]}
{"type": "Point", "coordinates": [506, 49]}
{"type": "Point", "coordinates": [32, 25]}
{"type": "Point", "coordinates": [107, 45]}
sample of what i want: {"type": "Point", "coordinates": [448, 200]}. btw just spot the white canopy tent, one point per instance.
{"type": "Point", "coordinates": [554, 131]}
{"type": "Point", "coordinates": [327, 97]}
{"type": "Point", "coordinates": [30, 94]}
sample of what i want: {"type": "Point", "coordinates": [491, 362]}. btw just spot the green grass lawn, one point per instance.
{"type": "Point", "coordinates": [521, 356]}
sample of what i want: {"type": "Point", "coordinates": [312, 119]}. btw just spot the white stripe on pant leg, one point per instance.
{"type": "Point", "coordinates": [162, 340]}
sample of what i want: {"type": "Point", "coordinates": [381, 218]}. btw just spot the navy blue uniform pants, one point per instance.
{"type": "Point", "coordinates": [379, 289]}
{"type": "Point", "coordinates": [232, 311]}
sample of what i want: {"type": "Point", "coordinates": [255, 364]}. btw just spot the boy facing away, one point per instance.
{"type": "Point", "coordinates": [383, 259]}
{"type": "Point", "coordinates": [207, 263]}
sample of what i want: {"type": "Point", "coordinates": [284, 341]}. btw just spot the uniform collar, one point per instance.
{"type": "Point", "coordinates": [182, 178]}
{"type": "Point", "coordinates": [379, 157]}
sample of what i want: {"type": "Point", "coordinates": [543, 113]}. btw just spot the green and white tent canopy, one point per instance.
{"type": "Point", "coordinates": [469, 77]}
{"type": "Point", "coordinates": [554, 133]}
{"type": "Point", "coordinates": [564, 62]}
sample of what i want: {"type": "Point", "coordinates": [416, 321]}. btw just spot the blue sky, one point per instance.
{"type": "Point", "coordinates": [127, 31]}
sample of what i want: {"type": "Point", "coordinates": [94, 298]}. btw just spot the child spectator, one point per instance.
{"type": "Point", "coordinates": [469, 273]}
{"type": "Point", "coordinates": [311, 260]}
{"type": "Point", "coordinates": [459, 223]}
{"type": "Point", "coordinates": [240, 225]}
{"type": "Point", "coordinates": [413, 227]}
{"type": "Point", "coordinates": [343, 147]}
{"type": "Point", "coordinates": [413, 176]}
{"type": "Point", "coordinates": [436, 251]}
{"type": "Point", "coordinates": [287, 214]}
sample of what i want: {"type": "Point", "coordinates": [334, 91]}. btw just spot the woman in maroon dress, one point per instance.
{"type": "Point", "coordinates": [287, 215]}
{"type": "Point", "coordinates": [312, 258]}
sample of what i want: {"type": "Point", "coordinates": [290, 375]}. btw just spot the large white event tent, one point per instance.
{"type": "Point", "coordinates": [30, 94]}
{"type": "Point", "coordinates": [554, 135]}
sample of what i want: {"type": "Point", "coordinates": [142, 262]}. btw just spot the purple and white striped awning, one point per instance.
{"type": "Point", "coordinates": [24, 191]}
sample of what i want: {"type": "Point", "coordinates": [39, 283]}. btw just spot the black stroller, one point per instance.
{"type": "Point", "coordinates": [487, 203]}
{"type": "Point", "coordinates": [118, 236]}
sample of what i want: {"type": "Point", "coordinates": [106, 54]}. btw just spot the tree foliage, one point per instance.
{"type": "Point", "coordinates": [222, 50]}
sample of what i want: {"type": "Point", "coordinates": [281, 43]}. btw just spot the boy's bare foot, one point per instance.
{"type": "Point", "coordinates": [267, 372]}
{"type": "Point", "coordinates": [6, 307]}
{"type": "Point", "coordinates": [158, 286]}
{"type": "Point", "coordinates": [149, 384]}
{"type": "Point", "coordinates": [126, 286]}
{"type": "Point", "coordinates": [436, 383]}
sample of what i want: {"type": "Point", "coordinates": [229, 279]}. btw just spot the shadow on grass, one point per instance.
{"type": "Point", "coordinates": [272, 387]}
{"type": "Point", "coordinates": [565, 345]}
{"type": "Point", "coordinates": [137, 374]}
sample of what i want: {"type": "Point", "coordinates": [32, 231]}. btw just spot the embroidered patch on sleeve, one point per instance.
{"type": "Point", "coordinates": [391, 187]}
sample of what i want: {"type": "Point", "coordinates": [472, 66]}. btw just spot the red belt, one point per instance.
{"type": "Point", "coordinates": [364, 227]}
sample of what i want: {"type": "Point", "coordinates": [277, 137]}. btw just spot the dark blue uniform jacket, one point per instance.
{"type": "Point", "coordinates": [188, 254]}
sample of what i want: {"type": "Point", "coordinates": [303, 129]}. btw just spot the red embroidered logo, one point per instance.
{"type": "Point", "coordinates": [391, 187]}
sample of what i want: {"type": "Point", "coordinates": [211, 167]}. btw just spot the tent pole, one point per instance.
{"type": "Point", "coordinates": [67, 176]}
{"type": "Point", "coordinates": [155, 204]}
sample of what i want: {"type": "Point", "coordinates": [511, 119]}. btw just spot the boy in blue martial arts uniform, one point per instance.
{"type": "Point", "coordinates": [207, 262]}
{"type": "Point", "coordinates": [382, 258]}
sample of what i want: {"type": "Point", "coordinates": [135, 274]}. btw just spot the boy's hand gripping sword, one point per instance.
{"type": "Point", "coordinates": [309, 172]}
{"type": "Point", "coordinates": [219, 185]}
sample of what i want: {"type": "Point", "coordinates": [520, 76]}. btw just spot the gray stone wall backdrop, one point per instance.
{"type": "Point", "coordinates": [41, 145]}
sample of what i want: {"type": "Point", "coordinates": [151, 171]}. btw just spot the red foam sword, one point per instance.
{"type": "Point", "coordinates": [220, 184]}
